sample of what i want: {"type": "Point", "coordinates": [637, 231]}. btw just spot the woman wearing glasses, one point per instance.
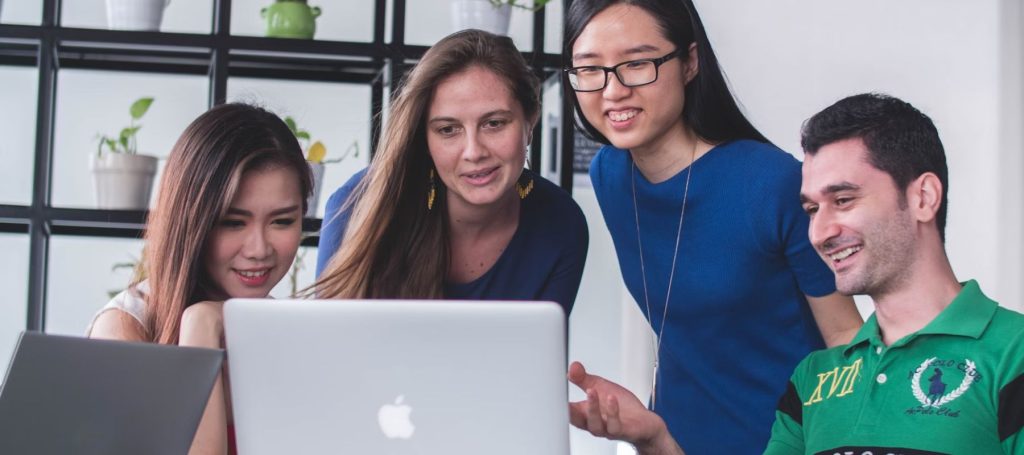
{"type": "Point", "coordinates": [707, 225]}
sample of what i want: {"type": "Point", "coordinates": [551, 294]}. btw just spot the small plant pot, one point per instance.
{"type": "Point", "coordinates": [138, 15]}
{"type": "Point", "coordinates": [482, 15]}
{"type": "Point", "coordinates": [290, 19]}
{"type": "Point", "coordinates": [317, 169]}
{"type": "Point", "coordinates": [123, 181]}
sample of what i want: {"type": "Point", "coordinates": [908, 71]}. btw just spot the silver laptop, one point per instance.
{"type": "Point", "coordinates": [66, 395]}
{"type": "Point", "coordinates": [397, 377]}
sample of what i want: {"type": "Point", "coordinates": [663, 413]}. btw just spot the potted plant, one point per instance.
{"type": "Point", "coordinates": [489, 15]}
{"type": "Point", "coordinates": [290, 19]}
{"type": "Point", "coordinates": [144, 15]}
{"type": "Point", "coordinates": [123, 178]}
{"type": "Point", "coordinates": [315, 155]}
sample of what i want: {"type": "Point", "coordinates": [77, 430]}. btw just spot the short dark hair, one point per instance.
{"type": "Point", "coordinates": [901, 140]}
{"type": "Point", "coordinates": [710, 108]}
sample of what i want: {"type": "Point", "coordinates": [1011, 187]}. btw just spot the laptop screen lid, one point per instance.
{"type": "Point", "coordinates": [398, 377]}
{"type": "Point", "coordinates": [76, 395]}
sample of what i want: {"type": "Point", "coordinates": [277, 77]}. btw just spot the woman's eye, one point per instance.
{"type": "Point", "coordinates": [231, 223]}
{"type": "Point", "coordinates": [447, 130]}
{"type": "Point", "coordinates": [284, 221]}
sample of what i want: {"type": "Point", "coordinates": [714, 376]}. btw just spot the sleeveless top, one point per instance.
{"type": "Point", "coordinates": [132, 301]}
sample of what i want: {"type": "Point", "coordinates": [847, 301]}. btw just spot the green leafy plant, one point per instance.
{"type": "Point", "coordinates": [316, 152]}
{"type": "Point", "coordinates": [125, 141]}
{"type": "Point", "coordinates": [537, 4]}
{"type": "Point", "coordinates": [138, 272]}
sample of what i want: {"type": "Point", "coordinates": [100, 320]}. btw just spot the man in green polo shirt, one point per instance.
{"type": "Point", "coordinates": [939, 367]}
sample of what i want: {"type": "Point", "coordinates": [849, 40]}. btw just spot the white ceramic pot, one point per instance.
{"type": "Point", "coordinates": [482, 15]}
{"type": "Point", "coordinates": [318, 178]}
{"type": "Point", "coordinates": [140, 15]}
{"type": "Point", "coordinates": [123, 181]}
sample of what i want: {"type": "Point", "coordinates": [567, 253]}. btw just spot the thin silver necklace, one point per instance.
{"type": "Point", "coordinates": [672, 273]}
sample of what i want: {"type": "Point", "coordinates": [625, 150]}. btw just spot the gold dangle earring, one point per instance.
{"type": "Point", "coordinates": [525, 184]}
{"type": "Point", "coordinates": [432, 192]}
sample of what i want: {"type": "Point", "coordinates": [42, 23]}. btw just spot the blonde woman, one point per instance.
{"type": "Point", "coordinates": [446, 208]}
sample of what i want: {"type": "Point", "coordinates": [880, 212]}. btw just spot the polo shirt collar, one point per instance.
{"type": "Point", "coordinates": [967, 315]}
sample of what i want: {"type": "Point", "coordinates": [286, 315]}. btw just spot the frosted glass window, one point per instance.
{"type": "Point", "coordinates": [553, 27]}
{"type": "Point", "coordinates": [348, 20]}
{"type": "Point", "coordinates": [84, 274]}
{"type": "Point", "coordinates": [90, 103]}
{"type": "Point", "coordinates": [23, 12]}
{"type": "Point", "coordinates": [550, 124]}
{"type": "Point", "coordinates": [14, 282]}
{"type": "Point", "coordinates": [301, 275]}
{"type": "Point", "coordinates": [18, 89]}
{"type": "Point", "coordinates": [427, 21]}
{"type": "Point", "coordinates": [180, 16]}
{"type": "Point", "coordinates": [338, 115]}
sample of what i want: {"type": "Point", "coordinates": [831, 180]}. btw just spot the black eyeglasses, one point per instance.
{"type": "Point", "coordinates": [633, 73]}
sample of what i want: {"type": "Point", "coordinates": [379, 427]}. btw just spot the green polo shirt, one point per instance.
{"type": "Point", "coordinates": [954, 387]}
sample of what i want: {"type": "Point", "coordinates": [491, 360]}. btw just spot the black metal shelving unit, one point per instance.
{"type": "Point", "coordinates": [49, 47]}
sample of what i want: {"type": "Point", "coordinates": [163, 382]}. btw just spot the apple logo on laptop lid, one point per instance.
{"type": "Point", "coordinates": [394, 419]}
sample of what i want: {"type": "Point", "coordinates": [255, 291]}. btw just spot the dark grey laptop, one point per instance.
{"type": "Point", "coordinates": [65, 395]}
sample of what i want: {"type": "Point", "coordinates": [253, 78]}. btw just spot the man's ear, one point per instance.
{"type": "Point", "coordinates": [924, 197]}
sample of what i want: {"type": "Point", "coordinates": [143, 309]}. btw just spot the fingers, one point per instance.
{"type": "Point", "coordinates": [578, 414]}
{"type": "Point", "coordinates": [613, 425]}
{"type": "Point", "coordinates": [577, 373]}
{"type": "Point", "coordinates": [597, 416]}
{"type": "Point", "coordinates": [595, 422]}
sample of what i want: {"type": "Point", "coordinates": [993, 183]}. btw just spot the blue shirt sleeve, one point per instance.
{"type": "Point", "coordinates": [335, 222]}
{"type": "Point", "coordinates": [780, 207]}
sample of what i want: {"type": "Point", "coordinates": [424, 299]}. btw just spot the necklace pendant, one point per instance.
{"type": "Point", "coordinates": [654, 384]}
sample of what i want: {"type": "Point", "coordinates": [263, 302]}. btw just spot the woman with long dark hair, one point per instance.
{"type": "Point", "coordinates": [706, 220]}
{"type": "Point", "coordinates": [227, 223]}
{"type": "Point", "coordinates": [446, 208]}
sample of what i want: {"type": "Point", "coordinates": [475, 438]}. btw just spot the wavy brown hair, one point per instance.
{"type": "Point", "coordinates": [203, 173]}
{"type": "Point", "coordinates": [394, 247]}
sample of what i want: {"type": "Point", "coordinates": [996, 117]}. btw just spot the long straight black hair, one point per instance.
{"type": "Point", "coordinates": [710, 109]}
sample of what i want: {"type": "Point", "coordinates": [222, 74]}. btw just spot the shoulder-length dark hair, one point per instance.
{"type": "Point", "coordinates": [394, 247]}
{"type": "Point", "coordinates": [710, 109]}
{"type": "Point", "coordinates": [203, 173]}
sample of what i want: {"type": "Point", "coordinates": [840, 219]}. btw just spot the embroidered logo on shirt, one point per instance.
{"type": "Point", "coordinates": [938, 393]}
{"type": "Point", "coordinates": [838, 379]}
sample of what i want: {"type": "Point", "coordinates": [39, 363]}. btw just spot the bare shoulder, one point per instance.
{"type": "Point", "coordinates": [114, 324]}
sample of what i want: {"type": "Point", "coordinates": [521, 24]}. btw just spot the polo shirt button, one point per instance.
{"type": "Point", "coordinates": [878, 350]}
{"type": "Point", "coordinates": [881, 378]}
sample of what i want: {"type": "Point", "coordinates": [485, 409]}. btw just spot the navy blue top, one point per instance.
{"type": "Point", "coordinates": [738, 321]}
{"type": "Point", "coordinates": [543, 261]}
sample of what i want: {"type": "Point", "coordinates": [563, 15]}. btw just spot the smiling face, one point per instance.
{"type": "Point", "coordinates": [254, 243]}
{"type": "Point", "coordinates": [633, 117]}
{"type": "Point", "coordinates": [860, 223]}
{"type": "Point", "coordinates": [477, 136]}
